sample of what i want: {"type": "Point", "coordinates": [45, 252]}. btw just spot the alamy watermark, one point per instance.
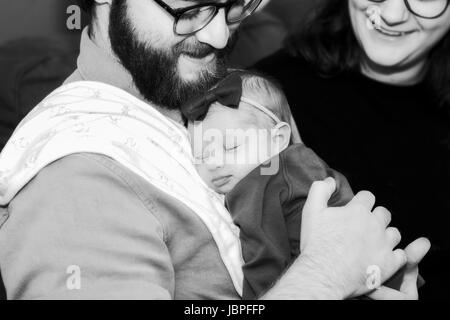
{"type": "Point", "coordinates": [373, 280]}
{"type": "Point", "coordinates": [73, 21]}
{"type": "Point", "coordinates": [250, 147]}
{"type": "Point", "coordinates": [73, 281]}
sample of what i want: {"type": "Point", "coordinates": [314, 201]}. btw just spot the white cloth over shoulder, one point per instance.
{"type": "Point", "coordinates": [98, 118]}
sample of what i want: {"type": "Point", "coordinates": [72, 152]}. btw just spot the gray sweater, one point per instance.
{"type": "Point", "coordinates": [128, 238]}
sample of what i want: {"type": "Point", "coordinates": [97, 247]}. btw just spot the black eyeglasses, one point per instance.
{"type": "Point", "coordinates": [427, 9]}
{"type": "Point", "coordinates": [192, 19]}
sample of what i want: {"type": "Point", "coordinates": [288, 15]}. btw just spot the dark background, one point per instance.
{"type": "Point", "coordinates": [34, 18]}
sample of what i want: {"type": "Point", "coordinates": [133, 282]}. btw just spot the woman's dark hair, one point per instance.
{"type": "Point", "coordinates": [327, 41]}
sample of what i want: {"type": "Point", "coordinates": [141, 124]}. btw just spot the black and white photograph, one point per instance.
{"type": "Point", "coordinates": [243, 151]}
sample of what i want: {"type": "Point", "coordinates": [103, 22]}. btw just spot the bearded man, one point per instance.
{"type": "Point", "coordinates": [100, 198]}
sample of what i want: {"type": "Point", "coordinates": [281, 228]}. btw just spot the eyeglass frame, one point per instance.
{"type": "Point", "coordinates": [408, 6]}
{"type": "Point", "coordinates": [178, 13]}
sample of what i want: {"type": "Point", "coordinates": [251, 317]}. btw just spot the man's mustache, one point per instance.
{"type": "Point", "coordinates": [198, 50]}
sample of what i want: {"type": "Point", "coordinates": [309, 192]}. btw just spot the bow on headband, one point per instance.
{"type": "Point", "coordinates": [228, 93]}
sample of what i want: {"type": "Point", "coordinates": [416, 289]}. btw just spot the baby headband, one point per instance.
{"type": "Point", "coordinates": [228, 92]}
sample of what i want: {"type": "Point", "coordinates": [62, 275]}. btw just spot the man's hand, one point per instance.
{"type": "Point", "coordinates": [403, 286]}
{"type": "Point", "coordinates": [338, 246]}
{"type": "Point", "coordinates": [342, 243]}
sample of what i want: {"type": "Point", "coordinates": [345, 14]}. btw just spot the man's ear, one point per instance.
{"type": "Point", "coordinates": [281, 136]}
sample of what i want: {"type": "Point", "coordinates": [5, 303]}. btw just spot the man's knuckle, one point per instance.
{"type": "Point", "coordinates": [403, 257]}
{"type": "Point", "coordinates": [367, 194]}
{"type": "Point", "coordinates": [394, 232]}
{"type": "Point", "coordinates": [382, 210]}
{"type": "Point", "coordinates": [358, 208]}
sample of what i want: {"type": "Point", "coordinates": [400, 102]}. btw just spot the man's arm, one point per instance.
{"type": "Point", "coordinates": [78, 231]}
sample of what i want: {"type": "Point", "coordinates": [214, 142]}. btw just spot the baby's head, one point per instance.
{"type": "Point", "coordinates": [237, 126]}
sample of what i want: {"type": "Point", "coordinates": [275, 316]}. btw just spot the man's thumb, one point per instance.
{"type": "Point", "coordinates": [319, 195]}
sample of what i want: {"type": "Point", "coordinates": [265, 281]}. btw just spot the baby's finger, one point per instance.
{"type": "Point", "coordinates": [385, 293]}
{"type": "Point", "coordinates": [395, 262]}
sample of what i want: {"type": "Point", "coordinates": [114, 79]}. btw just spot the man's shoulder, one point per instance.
{"type": "Point", "coordinates": [81, 165]}
{"type": "Point", "coordinates": [74, 172]}
{"type": "Point", "coordinates": [83, 178]}
{"type": "Point", "coordinates": [86, 184]}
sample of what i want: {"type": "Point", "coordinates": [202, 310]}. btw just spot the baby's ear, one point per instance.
{"type": "Point", "coordinates": [281, 136]}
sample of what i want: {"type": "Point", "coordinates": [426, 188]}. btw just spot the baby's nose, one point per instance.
{"type": "Point", "coordinates": [215, 163]}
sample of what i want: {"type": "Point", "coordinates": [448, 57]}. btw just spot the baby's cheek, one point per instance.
{"type": "Point", "coordinates": [202, 171]}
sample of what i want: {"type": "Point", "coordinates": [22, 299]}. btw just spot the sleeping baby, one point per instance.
{"type": "Point", "coordinates": [243, 148]}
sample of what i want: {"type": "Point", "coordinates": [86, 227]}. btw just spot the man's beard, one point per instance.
{"type": "Point", "coordinates": [155, 71]}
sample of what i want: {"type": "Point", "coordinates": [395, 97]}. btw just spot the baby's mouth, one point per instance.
{"type": "Point", "coordinates": [221, 181]}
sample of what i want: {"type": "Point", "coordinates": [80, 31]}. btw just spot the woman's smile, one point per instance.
{"type": "Point", "coordinates": [392, 36]}
{"type": "Point", "coordinates": [394, 33]}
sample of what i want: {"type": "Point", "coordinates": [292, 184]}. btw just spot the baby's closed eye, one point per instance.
{"type": "Point", "coordinates": [232, 147]}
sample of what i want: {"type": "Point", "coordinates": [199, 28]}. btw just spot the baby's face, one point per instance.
{"type": "Point", "coordinates": [228, 145]}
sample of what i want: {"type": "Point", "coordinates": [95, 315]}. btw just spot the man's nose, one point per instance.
{"type": "Point", "coordinates": [216, 33]}
{"type": "Point", "coordinates": [394, 12]}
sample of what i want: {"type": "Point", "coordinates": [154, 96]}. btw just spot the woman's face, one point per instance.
{"type": "Point", "coordinates": [400, 39]}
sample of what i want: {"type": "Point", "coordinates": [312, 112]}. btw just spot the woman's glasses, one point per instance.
{"type": "Point", "coordinates": [189, 20]}
{"type": "Point", "coordinates": [428, 9]}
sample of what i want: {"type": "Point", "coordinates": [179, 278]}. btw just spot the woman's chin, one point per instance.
{"type": "Point", "coordinates": [387, 52]}
{"type": "Point", "coordinates": [386, 58]}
